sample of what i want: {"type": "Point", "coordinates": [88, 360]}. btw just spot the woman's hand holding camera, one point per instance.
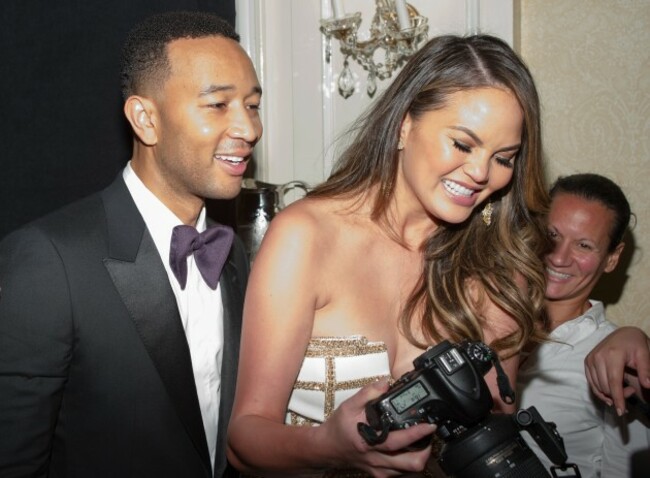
{"type": "Point", "coordinates": [350, 450]}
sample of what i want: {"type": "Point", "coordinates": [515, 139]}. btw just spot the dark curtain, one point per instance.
{"type": "Point", "coordinates": [62, 133]}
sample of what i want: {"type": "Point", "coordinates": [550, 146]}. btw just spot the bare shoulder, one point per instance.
{"type": "Point", "coordinates": [308, 225]}
{"type": "Point", "coordinates": [303, 216]}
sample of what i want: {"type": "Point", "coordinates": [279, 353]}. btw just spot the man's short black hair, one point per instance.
{"type": "Point", "coordinates": [144, 56]}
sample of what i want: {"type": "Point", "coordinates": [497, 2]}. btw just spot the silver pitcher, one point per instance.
{"type": "Point", "coordinates": [257, 204]}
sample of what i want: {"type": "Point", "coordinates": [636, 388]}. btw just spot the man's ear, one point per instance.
{"type": "Point", "coordinates": [141, 114]}
{"type": "Point", "coordinates": [613, 257]}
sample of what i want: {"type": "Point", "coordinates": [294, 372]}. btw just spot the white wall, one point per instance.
{"type": "Point", "coordinates": [302, 110]}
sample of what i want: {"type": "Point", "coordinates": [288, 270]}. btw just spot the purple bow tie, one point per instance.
{"type": "Point", "coordinates": [210, 250]}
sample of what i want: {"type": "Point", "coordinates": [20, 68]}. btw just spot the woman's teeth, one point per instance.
{"type": "Point", "coordinates": [457, 189]}
{"type": "Point", "coordinates": [557, 274]}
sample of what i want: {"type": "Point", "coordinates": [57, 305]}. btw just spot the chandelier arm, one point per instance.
{"type": "Point", "coordinates": [385, 34]}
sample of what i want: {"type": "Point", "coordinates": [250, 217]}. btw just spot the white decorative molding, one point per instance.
{"type": "Point", "coordinates": [472, 17]}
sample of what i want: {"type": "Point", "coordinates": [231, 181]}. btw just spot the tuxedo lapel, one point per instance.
{"type": "Point", "coordinates": [232, 297]}
{"type": "Point", "coordinates": [141, 280]}
{"type": "Point", "coordinates": [232, 294]}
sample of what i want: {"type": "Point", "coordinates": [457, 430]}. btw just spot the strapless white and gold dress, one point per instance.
{"type": "Point", "coordinates": [334, 369]}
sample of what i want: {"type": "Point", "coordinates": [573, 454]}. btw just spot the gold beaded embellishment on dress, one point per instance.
{"type": "Point", "coordinates": [329, 348]}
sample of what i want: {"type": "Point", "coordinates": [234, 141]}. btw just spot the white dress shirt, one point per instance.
{"type": "Point", "coordinates": [200, 308]}
{"type": "Point", "coordinates": [553, 379]}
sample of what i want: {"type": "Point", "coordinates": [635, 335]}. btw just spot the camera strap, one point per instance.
{"type": "Point", "coordinates": [503, 382]}
{"type": "Point", "coordinates": [370, 435]}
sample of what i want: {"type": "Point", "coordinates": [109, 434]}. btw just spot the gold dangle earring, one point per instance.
{"type": "Point", "coordinates": [486, 213]}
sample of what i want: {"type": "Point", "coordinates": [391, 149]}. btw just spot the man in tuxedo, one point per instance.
{"type": "Point", "coordinates": [119, 331]}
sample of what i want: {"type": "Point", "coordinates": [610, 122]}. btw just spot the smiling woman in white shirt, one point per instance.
{"type": "Point", "coordinates": [588, 217]}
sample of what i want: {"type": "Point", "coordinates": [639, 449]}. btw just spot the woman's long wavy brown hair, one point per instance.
{"type": "Point", "coordinates": [499, 258]}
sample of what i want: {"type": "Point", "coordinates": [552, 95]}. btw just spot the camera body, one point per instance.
{"type": "Point", "coordinates": [447, 388]}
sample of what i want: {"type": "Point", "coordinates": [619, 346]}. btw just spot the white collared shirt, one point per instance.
{"type": "Point", "coordinates": [200, 308]}
{"type": "Point", "coordinates": [552, 378]}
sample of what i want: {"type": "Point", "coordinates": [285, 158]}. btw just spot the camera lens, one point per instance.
{"type": "Point", "coordinates": [492, 448]}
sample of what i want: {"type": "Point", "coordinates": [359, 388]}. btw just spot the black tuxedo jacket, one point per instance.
{"type": "Point", "coordinates": [95, 371]}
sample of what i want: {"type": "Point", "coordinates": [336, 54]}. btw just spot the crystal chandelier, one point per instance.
{"type": "Point", "coordinates": [397, 28]}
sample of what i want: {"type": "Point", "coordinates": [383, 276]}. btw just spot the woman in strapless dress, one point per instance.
{"type": "Point", "coordinates": [429, 228]}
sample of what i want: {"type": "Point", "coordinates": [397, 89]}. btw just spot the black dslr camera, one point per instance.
{"type": "Point", "coordinates": [447, 388]}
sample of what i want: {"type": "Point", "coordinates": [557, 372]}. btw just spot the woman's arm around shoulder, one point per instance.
{"type": "Point", "coordinates": [623, 356]}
